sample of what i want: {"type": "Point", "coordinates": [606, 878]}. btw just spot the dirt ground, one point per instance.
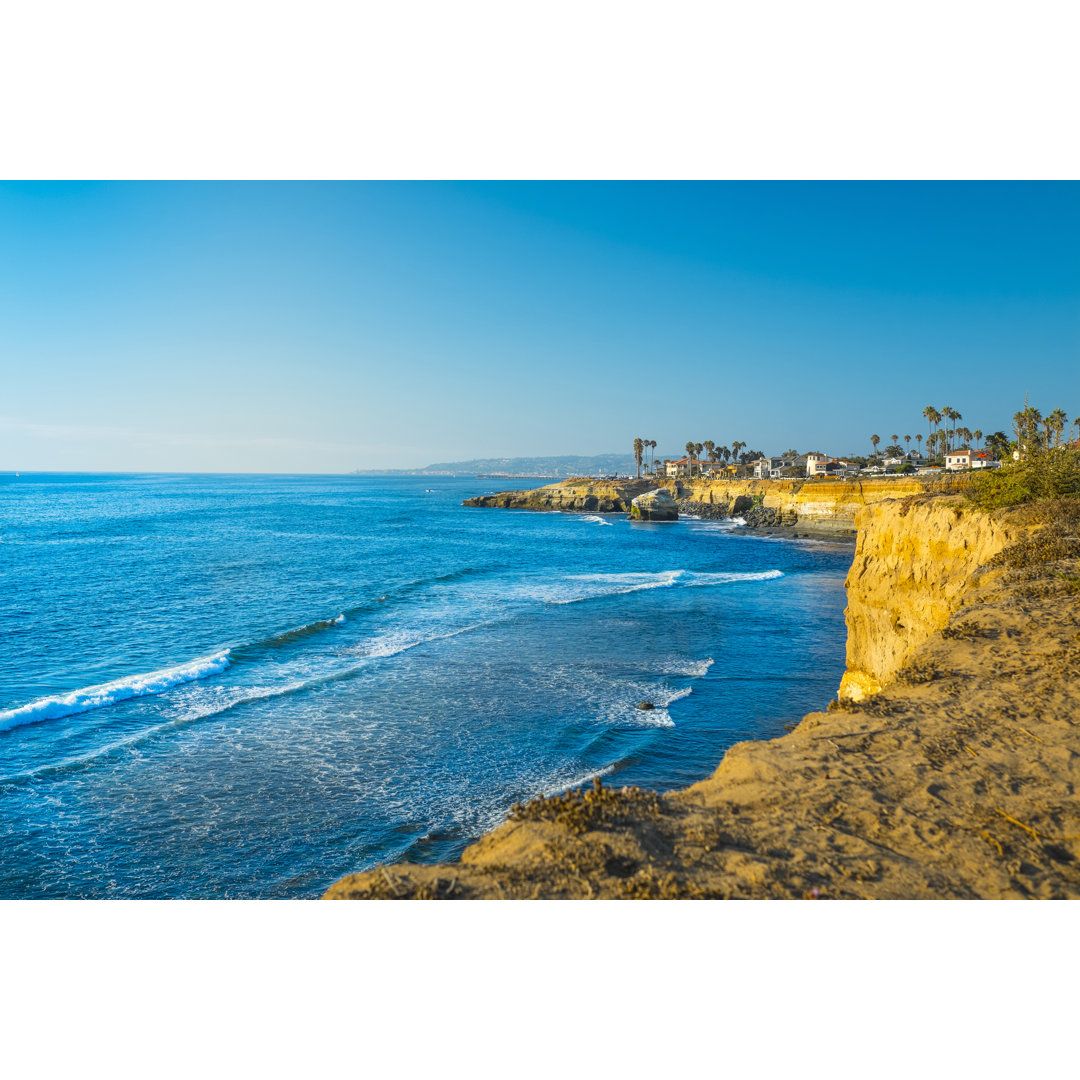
{"type": "Point", "coordinates": [958, 780]}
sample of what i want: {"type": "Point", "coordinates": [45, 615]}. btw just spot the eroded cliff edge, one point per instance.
{"type": "Point", "coordinates": [953, 775]}
{"type": "Point", "coordinates": [818, 505]}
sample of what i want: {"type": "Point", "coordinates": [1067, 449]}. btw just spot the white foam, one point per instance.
{"type": "Point", "coordinates": [392, 644]}
{"type": "Point", "coordinates": [561, 787]}
{"type": "Point", "coordinates": [593, 586]}
{"type": "Point", "coordinates": [694, 669]}
{"type": "Point", "coordinates": [595, 520]}
{"type": "Point", "coordinates": [96, 697]}
{"type": "Point", "coordinates": [686, 691]}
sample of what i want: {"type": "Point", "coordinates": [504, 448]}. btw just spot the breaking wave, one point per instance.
{"type": "Point", "coordinates": [94, 697]}
{"type": "Point", "coordinates": [593, 586]}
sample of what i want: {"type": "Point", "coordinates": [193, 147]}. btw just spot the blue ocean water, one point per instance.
{"type": "Point", "coordinates": [237, 686]}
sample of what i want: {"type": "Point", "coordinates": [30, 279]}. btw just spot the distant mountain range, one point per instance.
{"type": "Point", "coordinates": [565, 465]}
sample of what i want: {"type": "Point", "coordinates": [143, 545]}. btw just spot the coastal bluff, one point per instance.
{"type": "Point", "coordinates": [822, 506]}
{"type": "Point", "coordinates": [947, 767]}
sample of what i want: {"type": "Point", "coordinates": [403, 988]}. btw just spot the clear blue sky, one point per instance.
{"type": "Point", "coordinates": [326, 327]}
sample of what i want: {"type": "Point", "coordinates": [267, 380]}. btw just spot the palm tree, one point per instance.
{"type": "Point", "coordinates": [690, 459]}
{"type": "Point", "coordinates": [952, 415]}
{"type": "Point", "coordinates": [965, 434]}
{"type": "Point", "coordinates": [933, 418]}
{"type": "Point", "coordinates": [895, 439]}
{"type": "Point", "coordinates": [907, 441]}
{"type": "Point", "coordinates": [977, 435]}
{"type": "Point", "coordinates": [918, 440]}
{"type": "Point", "coordinates": [652, 444]}
{"type": "Point", "coordinates": [698, 447]}
{"type": "Point", "coordinates": [724, 452]}
{"type": "Point", "coordinates": [710, 448]}
{"type": "Point", "coordinates": [639, 447]}
{"type": "Point", "coordinates": [1055, 424]}
{"type": "Point", "coordinates": [874, 440]}
{"type": "Point", "coordinates": [735, 448]}
{"type": "Point", "coordinates": [1026, 425]}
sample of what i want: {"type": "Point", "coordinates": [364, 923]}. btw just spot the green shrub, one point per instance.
{"type": "Point", "coordinates": [1043, 474]}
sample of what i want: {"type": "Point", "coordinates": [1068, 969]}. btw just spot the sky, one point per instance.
{"type": "Point", "coordinates": [326, 327]}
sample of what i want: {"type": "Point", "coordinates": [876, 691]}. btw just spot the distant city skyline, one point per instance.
{"type": "Point", "coordinates": [311, 327]}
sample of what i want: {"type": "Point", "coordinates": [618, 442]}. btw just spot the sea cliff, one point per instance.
{"type": "Point", "coordinates": [818, 505]}
{"type": "Point", "coordinates": [947, 767]}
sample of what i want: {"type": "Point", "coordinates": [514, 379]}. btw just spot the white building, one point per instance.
{"type": "Point", "coordinates": [815, 464]}
{"type": "Point", "coordinates": [957, 460]}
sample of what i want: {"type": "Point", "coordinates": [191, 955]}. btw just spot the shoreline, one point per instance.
{"type": "Point", "coordinates": [944, 768]}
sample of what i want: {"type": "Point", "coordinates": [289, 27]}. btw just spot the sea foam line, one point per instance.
{"type": "Point", "coordinates": [601, 585]}
{"type": "Point", "coordinates": [96, 697]}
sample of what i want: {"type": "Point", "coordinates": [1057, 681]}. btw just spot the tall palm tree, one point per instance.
{"type": "Point", "coordinates": [918, 440]}
{"type": "Point", "coordinates": [874, 440]}
{"type": "Point", "coordinates": [907, 441]}
{"type": "Point", "coordinates": [690, 457]}
{"type": "Point", "coordinates": [933, 418]}
{"type": "Point", "coordinates": [652, 444]}
{"type": "Point", "coordinates": [735, 448]}
{"type": "Point", "coordinates": [1026, 425]}
{"type": "Point", "coordinates": [710, 448]}
{"type": "Point", "coordinates": [977, 435]}
{"type": "Point", "coordinates": [725, 452]}
{"type": "Point", "coordinates": [952, 416]}
{"type": "Point", "coordinates": [895, 439]}
{"type": "Point", "coordinates": [639, 447]}
{"type": "Point", "coordinates": [1055, 424]}
{"type": "Point", "coordinates": [698, 447]}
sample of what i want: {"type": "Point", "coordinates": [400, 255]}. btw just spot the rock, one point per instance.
{"type": "Point", "coordinates": [646, 705]}
{"type": "Point", "coordinates": [655, 505]}
{"type": "Point", "coordinates": [758, 517]}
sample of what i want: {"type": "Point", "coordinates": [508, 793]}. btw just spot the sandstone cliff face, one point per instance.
{"type": "Point", "coordinates": [822, 504]}
{"type": "Point", "coordinates": [913, 562]}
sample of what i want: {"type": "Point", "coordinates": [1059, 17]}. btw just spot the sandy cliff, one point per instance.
{"type": "Point", "coordinates": [953, 775]}
{"type": "Point", "coordinates": [818, 504]}
{"type": "Point", "coordinates": [914, 559]}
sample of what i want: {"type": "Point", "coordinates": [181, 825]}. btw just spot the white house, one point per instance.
{"type": "Point", "coordinates": [815, 464]}
{"type": "Point", "coordinates": [957, 460]}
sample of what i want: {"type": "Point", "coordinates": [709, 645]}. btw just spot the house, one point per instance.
{"type": "Point", "coordinates": [981, 459]}
{"type": "Point", "coordinates": [711, 467]}
{"type": "Point", "coordinates": [678, 468]}
{"type": "Point", "coordinates": [957, 460]}
{"type": "Point", "coordinates": [766, 467]}
{"type": "Point", "coordinates": [815, 464]}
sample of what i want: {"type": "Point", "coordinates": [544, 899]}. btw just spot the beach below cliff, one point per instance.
{"type": "Point", "coordinates": [946, 769]}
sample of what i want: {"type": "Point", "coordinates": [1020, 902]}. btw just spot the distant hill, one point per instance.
{"type": "Point", "coordinates": [566, 465]}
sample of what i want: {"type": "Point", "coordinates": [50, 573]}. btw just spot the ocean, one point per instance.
{"type": "Point", "coordinates": [248, 686]}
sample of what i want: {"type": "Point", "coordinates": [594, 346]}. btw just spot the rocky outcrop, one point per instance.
{"type": "Point", "coordinates": [655, 505]}
{"type": "Point", "coordinates": [956, 778]}
{"type": "Point", "coordinates": [575, 496]}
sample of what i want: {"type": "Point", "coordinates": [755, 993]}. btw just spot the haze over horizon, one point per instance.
{"type": "Point", "coordinates": [328, 327]}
